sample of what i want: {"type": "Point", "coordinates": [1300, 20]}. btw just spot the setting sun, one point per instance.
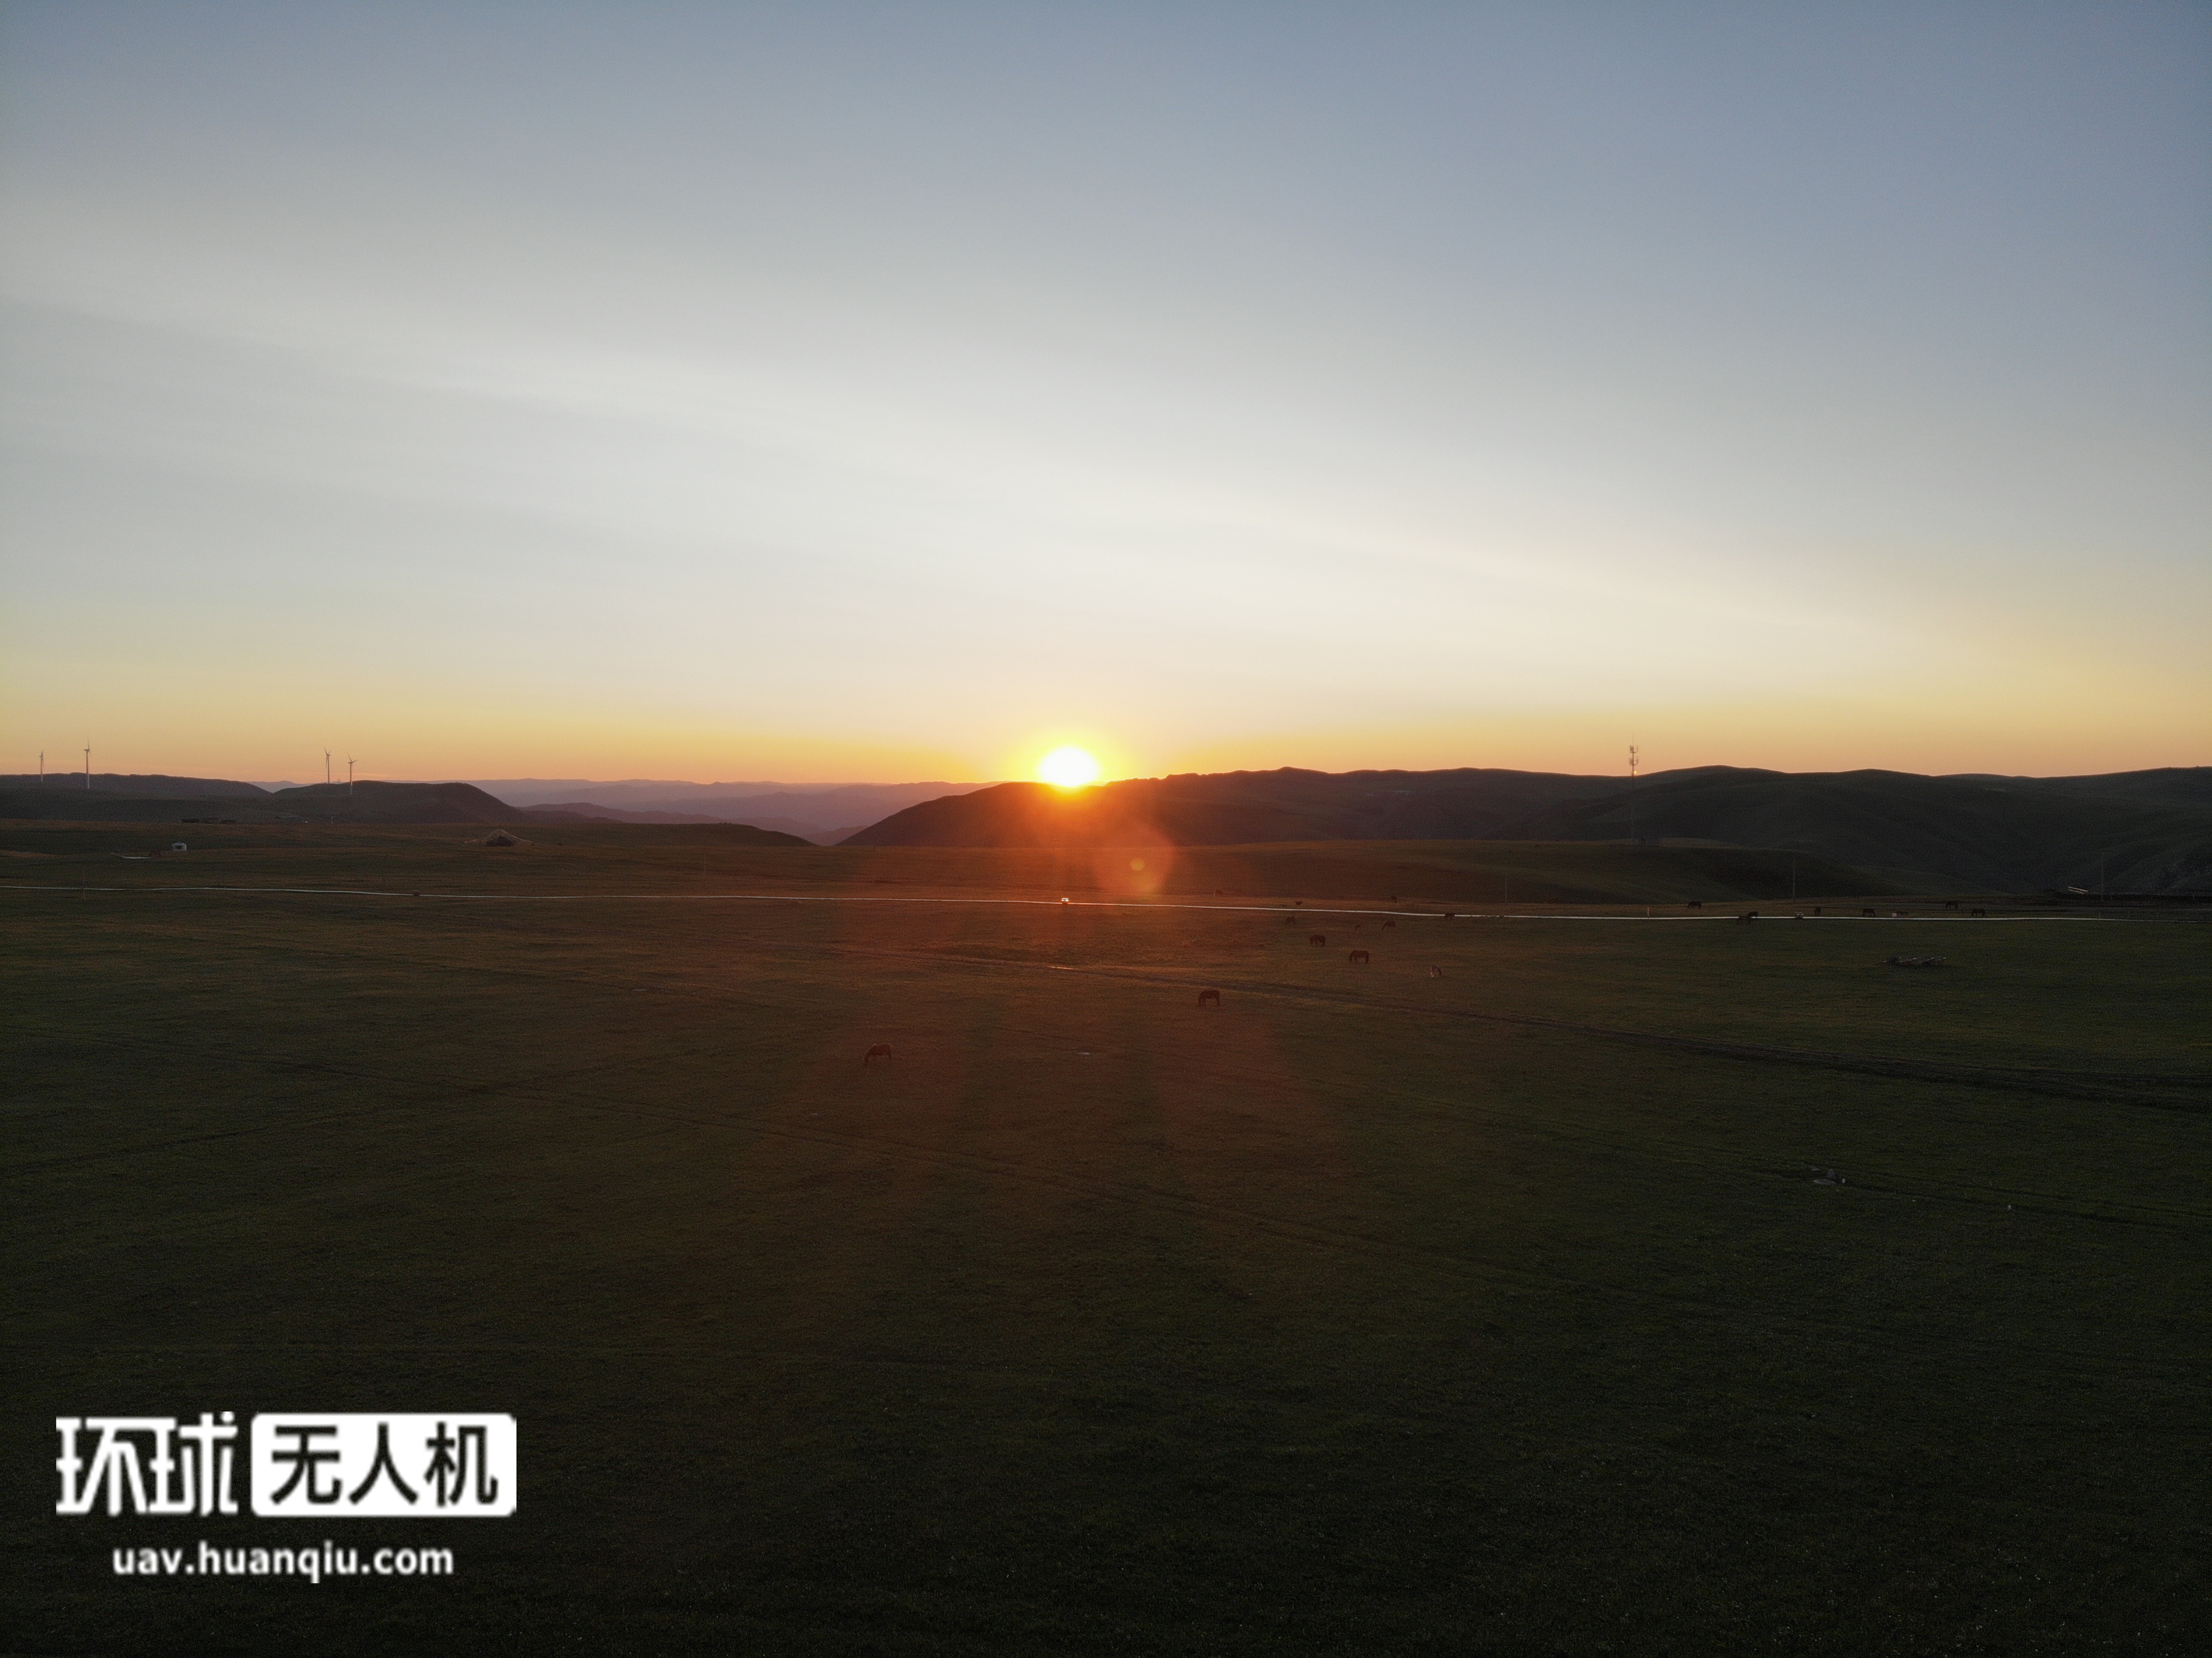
{"type": "Point", "coordinates": [1068, 768]}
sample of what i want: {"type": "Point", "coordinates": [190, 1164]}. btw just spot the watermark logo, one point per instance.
{"type": "Point", "coordinates": [148, 1464]}
{"type": "Point", "coordinates": [320, 1465]}
{"type": "Point", "coordinates": [382, 1467]}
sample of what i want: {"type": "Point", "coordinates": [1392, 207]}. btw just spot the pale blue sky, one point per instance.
{"type": "Point", "coordinates": [831, 392]}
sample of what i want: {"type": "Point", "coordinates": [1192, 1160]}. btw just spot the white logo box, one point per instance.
{"type": "Point", "coordinates": [319, 1464]}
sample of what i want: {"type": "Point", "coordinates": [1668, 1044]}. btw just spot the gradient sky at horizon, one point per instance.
{"type": "Point", "coordinates": [828, 392]}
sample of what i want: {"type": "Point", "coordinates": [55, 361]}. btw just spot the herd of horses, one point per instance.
{"type": "Point", "coordinates": [1362, 958]}
{"type": "Point", "coordinates": [1207, 997]}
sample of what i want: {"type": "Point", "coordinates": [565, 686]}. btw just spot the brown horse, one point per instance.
{"type": "Point", "coordinates": [881, 1051]}
{"type": "Point", "coordinates": [1209, 999]}
{"type": "Point", "coordinates": [1436, 973]}
{"type": "Point", "coordinates": [1316, 938]}
{"type": "Point", "coordinates": [1358, 957]}
{"type": "Point", "coordinates": [1389, 924]}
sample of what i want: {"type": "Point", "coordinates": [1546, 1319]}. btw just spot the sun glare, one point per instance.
{"type": "Point", "coordinates": [1068, 768]}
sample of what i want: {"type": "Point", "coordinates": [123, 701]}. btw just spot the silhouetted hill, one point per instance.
{"type": "Point", "coordinates": [1238, 808]}
{"type": "Point", "coordinates": [2130, 831]}
{"type": "Point", "coordinates": [814, 813]}
{"type": "Point", "coordinates": [2175, 786]}
{"type": "Point", "coordinates": [151, 784]}
{"type": "Point", "coordinates": [395, 803]}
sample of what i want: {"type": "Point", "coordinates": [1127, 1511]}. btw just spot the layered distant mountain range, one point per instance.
{"type": "Point", "coordinates": [824, 816]}
{"type": "Point", "coordinates": [821, 815]}
{"type": "Point", "coordinates": [2144, 831]}
{"type": "Point", "coordinates": [113, 799]}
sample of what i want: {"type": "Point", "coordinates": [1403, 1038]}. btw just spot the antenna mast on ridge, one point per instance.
{"type": "Point", "coordinates": [326, 768]}
{"type": "Point", "coordinates": [1632, 792]}
{"type": "Point", "coordinates": [87, 765]}
{"type": "Point", "coordinates": [348, 777]}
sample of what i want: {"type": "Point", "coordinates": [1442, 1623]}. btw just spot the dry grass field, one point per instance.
{"type": "Point", "coordinates": [1374, 1312]}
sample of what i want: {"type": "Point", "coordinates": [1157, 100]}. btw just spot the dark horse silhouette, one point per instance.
{"type": "Point", "coordinates": [1209, 999]}
{"type": "Point", "coordinates": [1316, 938]}
{"type": "Point", "coordinates": [881, 1051]}
{"type": "Point", "coordinates": [1357, 955]}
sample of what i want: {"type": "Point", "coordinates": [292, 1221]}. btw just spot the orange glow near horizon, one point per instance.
{"type": "Point", "coordinates": [1068, 768]}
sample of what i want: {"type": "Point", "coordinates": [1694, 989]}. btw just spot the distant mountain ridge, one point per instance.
{"type": "Point", "coordinates": [2142, 831]}
{"type": "Point", "coordinates": [821, 815]}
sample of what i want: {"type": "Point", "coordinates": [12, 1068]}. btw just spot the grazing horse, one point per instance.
{"type": "Point", "coordinates": [881, 1051]}
{"type": "Point", "coordinates": [1209, 999]}
{"type": "Point", "coordinates": [1748, 915]}
{"type": "Point", "coordinates": [1436, 973]}
{"type": "Point", "coordinates": [1695, 903]}
{"type": "Point", "coordinates": [1358, 957]}
{"type": "Point", "coordinates": [1950, 903]}
{"type": "Point", "coordinates": [1866, 912]}
{"type": "Point", "coordinates": [1389, 924]}
{"type": "Point", "coordinates": [1981, 912]}
{"type": "Point", "coordinates": [1316, 938]}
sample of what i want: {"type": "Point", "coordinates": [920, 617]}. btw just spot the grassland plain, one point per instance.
{"type": "Point", "coordinates": [577, 858]}
{"type": "Point", "coordinates": [1347, 1318]}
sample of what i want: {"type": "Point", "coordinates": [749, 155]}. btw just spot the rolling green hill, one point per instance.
{"type": "Point", "coordinates": [156, 783]}
{"type": "Point", "coordinates": [2148, 831]}
{"type": "Point", "coordinates": [2002, 835]}
{"type": "Point", "coordinates": [81, 805]}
